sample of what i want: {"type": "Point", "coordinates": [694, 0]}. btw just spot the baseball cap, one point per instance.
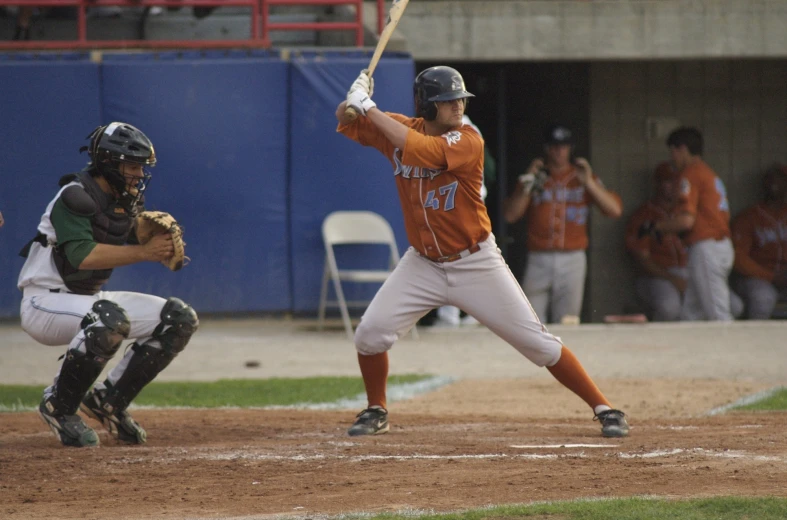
{"type": "Point", "coordinates": [558, 134]}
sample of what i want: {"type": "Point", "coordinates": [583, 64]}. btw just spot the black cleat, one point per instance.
{"type": "Point", "coordinates": [120, 424]}
{"type": "Point", "coordinates": [372, 421]}
{"type": "Point", "coordinates": [613, 423]}
{"type": "Point", "coordinates": [71, 430]}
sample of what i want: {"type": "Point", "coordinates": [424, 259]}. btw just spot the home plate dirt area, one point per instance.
{"type": "Point", "coordinates": [446, 451]}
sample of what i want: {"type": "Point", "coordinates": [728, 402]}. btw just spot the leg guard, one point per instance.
{"type": "Point", "coordinates": [178, 323]}
{"type": "Point", "coordinates": [143, 367]}
{"type": "Point", "coordinates": [105, 326]}
{"type": "Point", "coordinates": [77, 375]}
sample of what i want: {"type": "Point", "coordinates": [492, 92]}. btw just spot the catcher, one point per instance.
{"type": "Point", "coordinates": [95, 223]}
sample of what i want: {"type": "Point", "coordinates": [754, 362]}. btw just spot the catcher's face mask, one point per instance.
{"type": "Point", "coordinates": [135, 180]}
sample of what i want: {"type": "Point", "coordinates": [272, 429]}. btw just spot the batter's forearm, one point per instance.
{"type": "Point", "coordinates": [105, 256]}
{"type": "Point", "coordinates": [393, 130]}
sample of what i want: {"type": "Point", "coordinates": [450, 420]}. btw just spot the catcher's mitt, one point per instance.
{"type": "Point", "coordinates": [151, 223]}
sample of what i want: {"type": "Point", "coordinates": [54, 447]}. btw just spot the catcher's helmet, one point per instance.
{"type": "Point", "coordinates": [437, 84]}
{"type": "Point", "coordinates": [117, 143]}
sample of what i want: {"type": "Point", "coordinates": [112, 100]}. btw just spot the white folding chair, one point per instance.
{"type": "Point", "coordinates": [346, 228]}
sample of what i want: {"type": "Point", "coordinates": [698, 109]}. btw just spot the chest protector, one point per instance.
{"type": "Point", "coordinates": [111, 225]}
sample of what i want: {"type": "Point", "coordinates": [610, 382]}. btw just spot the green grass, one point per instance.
{"type": "Point", "coordinates": [235, 392]}
{"type": "Point", "coordinates": [727, 508]}
{"type": "Point", "coordinates": [776, 402]}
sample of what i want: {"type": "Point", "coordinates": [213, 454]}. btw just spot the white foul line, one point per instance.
{"type": "Point", "coordinates": [551, 446]}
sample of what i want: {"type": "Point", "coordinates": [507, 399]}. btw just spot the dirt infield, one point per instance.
{"type": "Point", "coordinates": [504, 432]}
{"type": "Point", "coordinates": [257, 463]}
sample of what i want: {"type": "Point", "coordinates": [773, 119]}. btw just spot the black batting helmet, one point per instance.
{"type": "Point", "coordinates": [437, 84]}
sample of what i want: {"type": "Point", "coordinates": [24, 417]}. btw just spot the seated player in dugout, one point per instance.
{"type": "Point", "coordinates": [86, 231]}
{"type": "Point", "coordinates": [453, 259]}
{"type": "Point", "coordinates": [759, 235]}
{"type": "Point", "coordinates": [703, 219]}
{"type": "Point", "coordinates": [555, 194]}
{"type": "Point", "coordinates": [660, 260]}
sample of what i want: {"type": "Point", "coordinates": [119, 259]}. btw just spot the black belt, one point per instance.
{"type": "Point", "coordinates": [60, 291]}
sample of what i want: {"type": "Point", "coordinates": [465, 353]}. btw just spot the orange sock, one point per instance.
{"type": "Point", "coordinates": [374, 370]}
{"type": "Point", "coordinates": [569, 371]}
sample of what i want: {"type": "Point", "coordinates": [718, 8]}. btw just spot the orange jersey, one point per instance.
{"type": "Point", "coordinates": [702, 193]}
{"type": "Point", "coordinates": [439, 181]}
{"type": "Point", "coordinates": [557, 216]}
{"type": "Point", "coordinates": [669, 252]}
{"type": "Point", "coordinates": [759, 235]}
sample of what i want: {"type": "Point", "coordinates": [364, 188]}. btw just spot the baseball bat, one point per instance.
{"type": "Point", "coordinates": [394, 15]}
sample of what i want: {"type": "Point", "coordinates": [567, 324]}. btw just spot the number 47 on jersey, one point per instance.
{"type": "Point", "coordinates": [446, 192]}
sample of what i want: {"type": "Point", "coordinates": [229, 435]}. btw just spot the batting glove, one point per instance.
{"type": "Point", "coordinates": [360, 101]}
{"type": "Point", "coordinates": [363, 83]}
{"type": "Point", "coordinates": [527, 180]}
{"type": "Point", "coordinates": [533, 182]}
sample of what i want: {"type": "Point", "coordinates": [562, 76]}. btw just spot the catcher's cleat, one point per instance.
{"type": "Point", "coordinates": [119, 423]}
{"type": "Point", "coordinates": [613, 423]}
{"type": "Point", "coordinates": [372, 421]}
{"type": "Point", "coordinates": [69, 429]}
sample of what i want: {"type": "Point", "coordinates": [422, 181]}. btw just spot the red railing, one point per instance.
{"type": "Point", "coordinates": [261, 26]}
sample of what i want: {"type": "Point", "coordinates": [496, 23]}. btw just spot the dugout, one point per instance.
{"type": "Point", "coordinates": [621, 112]}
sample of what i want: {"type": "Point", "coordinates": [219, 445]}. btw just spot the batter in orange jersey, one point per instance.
{"type": "Point", "coordinates": [556, 196]}
{"type": "Point", "coordinates": [759, 235]}
{"type": "Point", "coordinates": [437, 162]}
{"type": "Point", "coordinates": [661, 261]}
{"type": "Point", "coordinates": [704, 214]}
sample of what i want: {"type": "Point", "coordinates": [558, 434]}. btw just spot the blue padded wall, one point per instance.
{"type": "Point", "coordinates": [219, 126]}
{"type": "Point", "coordinates": [248, 161]}
{"type": "Point", "coordinates": [329, 172]}
{"type": "Point", "coordinates": [47, 106]}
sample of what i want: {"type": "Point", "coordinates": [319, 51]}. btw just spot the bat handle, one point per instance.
{"type": "Point", "coordinates": [350, 114]}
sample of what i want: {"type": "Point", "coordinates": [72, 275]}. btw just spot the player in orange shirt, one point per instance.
{"type": "Point", "coordinates": [704, 215]}
{"type": "Point", "coordinates": [438, 165]}
{"type": "Point", "coordinates": [557, 195]}
{"type": "Point", "coordinates": [759, 235]}
{"type": "Point", "coordinates": [661, 261]}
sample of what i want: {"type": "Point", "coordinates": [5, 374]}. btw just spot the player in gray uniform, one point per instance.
{"type": "Point", "coordinates": [87, 230]}
{"type": "Point", "coordinates": [759, 234]}
{"type": "Point", "coordinates": [703, 214]}
{"type": "Point", "coordinates": [555, 195]}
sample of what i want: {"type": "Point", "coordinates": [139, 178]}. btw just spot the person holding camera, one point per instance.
{"type": "Point", "coordinates": [556, 194]}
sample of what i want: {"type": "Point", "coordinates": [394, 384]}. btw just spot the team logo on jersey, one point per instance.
{"type": "Point", "coordinates": [771, 234]}
{"type": "Point", "coordinates": [452, 137]}
{"type": "Point", "coordinates": [414, 172]}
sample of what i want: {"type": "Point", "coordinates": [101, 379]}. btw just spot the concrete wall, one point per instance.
{"type": "Point", "coordinates": [478, 30]}
{"type": "Point", "coordinates": [741, 107]}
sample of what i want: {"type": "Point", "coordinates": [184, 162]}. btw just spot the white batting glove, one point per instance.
{"type": "Point", "coordinates": [363, 83]}
{"type": "Point", "coordinates": [360, 101]}
{"type": "Point", "coordinates": [527, 180]}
